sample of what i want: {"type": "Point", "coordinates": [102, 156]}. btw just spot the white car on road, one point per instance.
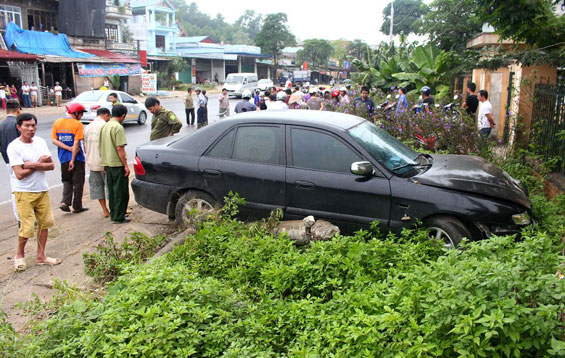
{"type": "Point", "coordinates": [93, 100]}
{"type": "Point", "coordinates": [265, 84]}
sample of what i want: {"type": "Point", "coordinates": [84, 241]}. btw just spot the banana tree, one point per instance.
{"type": "Point", "coordinates": [433, 69]}
{"type": "Point", "coordinates": [412, 68]}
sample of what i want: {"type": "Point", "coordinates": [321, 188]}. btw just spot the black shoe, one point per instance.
{"type": "Point", "coordinates": [125, 221]}
{"type": "Point", "coordinates": [80, 210]}
{"type": "Point", "coordinates": [65, 208]}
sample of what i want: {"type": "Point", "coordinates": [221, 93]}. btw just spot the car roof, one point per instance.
{"type": "Point", "coordinates": [298, 116]}
{"type": "Point", "coordinates": [105, 91]}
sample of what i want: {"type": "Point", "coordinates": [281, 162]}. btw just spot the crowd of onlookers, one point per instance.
{"type": "Point", "coordinates": [28, 94]}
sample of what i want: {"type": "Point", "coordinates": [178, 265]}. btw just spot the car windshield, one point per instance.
{"type": "Point", "coordinates": [388, 150]}
{"type": "Point", "coordinates": [88, 97]}
{"type": "Point", "coordinates": [234, 79]}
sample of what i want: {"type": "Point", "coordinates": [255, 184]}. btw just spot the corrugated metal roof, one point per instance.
{"type": "Point", "coordinates": [194, 39]}
{"type": "Point", "coordinates": [16, 56]}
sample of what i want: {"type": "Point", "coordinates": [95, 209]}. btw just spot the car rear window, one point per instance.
{"type": "Point", "coordinates": [222, 149]}
{"type": "Point", "coordinates": [257, 144]}
{"type": "Point", "coordinates": [88, 97]}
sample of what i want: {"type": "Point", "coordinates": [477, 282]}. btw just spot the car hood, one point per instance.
{"type": "Point", "coordinates": [233, 86]}
{"type": "Point", "coordinates": [474, 175]}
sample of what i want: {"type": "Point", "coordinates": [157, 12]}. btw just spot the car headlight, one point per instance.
{"type": "Point", "coordinates": [521, 219]}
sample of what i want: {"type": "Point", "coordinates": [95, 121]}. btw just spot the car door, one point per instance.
{"type": "Point", "coordinates": [131, 104]}
{"type": "Point", "coordinates": [319, 181]}
{"type": "Point", "coordinates": [248, 160]}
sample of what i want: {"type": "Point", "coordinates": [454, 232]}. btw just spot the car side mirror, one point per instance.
{"type": "Point", "coordinates": [362, 168]}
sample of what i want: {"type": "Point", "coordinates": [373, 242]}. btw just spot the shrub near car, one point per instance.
{"type": "Point", "coordinates": [334, 166]}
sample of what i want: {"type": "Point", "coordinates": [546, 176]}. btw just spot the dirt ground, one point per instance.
{"type": "Point", "coordinates": [72, 235]}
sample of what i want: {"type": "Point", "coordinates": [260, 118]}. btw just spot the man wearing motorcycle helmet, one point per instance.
{"type": "Point", "coordinates": [344, 97]}
{"type": "Point", "coordinates": [279, 104]}
{"type": "Point", "coordinates": [66, 134]}
{"type": "Point", "coordinates": [315, 102]}
{"type": "Point", "coordinates": [427, 99]}
{"type": "Point", "coordinates": [244, 105]}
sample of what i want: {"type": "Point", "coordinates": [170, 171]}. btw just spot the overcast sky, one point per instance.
{"type": "Point", "coordinates": [330, 19]}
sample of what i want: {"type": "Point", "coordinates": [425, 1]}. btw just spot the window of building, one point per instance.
{"type": "Point", "coordinates": [111, 32]}
{"type": "Point", "coordinates": [10, 14]}
{"type": "Point", "coordinates": [41, 20]}
{"type": "Point", "coordinates": [160, 41]}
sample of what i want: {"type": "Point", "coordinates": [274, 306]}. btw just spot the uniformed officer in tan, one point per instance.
{"type": "Point", "coordinates": [165, 123]}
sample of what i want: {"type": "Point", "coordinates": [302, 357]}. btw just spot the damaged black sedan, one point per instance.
{"type": "Point", "coordinates": [333, 166]}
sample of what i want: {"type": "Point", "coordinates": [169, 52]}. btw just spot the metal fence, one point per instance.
{"type": "Point", "coordinates": [548, 123]}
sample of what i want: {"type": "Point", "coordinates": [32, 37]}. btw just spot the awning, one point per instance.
{"type": "Point", "coordinates": [154, 58]}
{"type": "Point", "coordinates": [6, 55]}
{"type": "Point", "coordinates": [116, 57]}
{"type": "Point", "coordinates": [62, 59]}
{"type": "Point", "coordinates": [40, 43]}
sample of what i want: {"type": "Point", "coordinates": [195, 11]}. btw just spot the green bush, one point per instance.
{"type": "Point", "coordinates": [234, 290]}
{"type": "Point", "coordinates": [109, 259]}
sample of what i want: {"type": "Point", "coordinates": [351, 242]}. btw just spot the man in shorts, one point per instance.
{"type": "Point", "coordinates": [97, 178]}
{"type": "Point", "coordinates": [66, 134]}
{"type": "Point", "coordinates": [30, 159]}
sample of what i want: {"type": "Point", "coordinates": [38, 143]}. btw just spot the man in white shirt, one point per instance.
{"type": "Point", "coordinates": [33, 94]}
{"type": "Point", "coordinates": [30, 159]}
{"type": "Point", "coordinates": [486, 121]}
{"type": "Point", "coordinates": [25, 95]}
{"type": "Point", "coordinates": [58, 94]}
{"type": "Point", "coordinates": [97, 178]}
{"type": "Point", "coordinates": [277, 103]}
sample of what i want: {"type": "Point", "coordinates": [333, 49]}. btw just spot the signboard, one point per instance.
{"type": "Point", "coordinates": [103, 70]}
{"type": "Point", "coordinates": [346, 64]}
{"type": "Point", "coordinates": [143, 57]}
{"type": "Point", "coordinates": [305, 66]}
{"type": "Point", "coordinates": [149, 83]}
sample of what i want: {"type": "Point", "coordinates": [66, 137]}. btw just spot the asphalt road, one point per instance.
{"type": "Point", "coordinates": [135, 134]}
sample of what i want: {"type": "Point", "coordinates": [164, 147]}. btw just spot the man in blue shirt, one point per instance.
{"type": "Point", "coordinates": [402, 104]}
{"type": "Point", "coordinates": [66, 134]}
{"type": "Point", "coordinates": [366, 101]}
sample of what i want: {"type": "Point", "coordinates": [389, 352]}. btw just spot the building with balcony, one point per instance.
{"type": "Point", "coordinates": [153, 24]}
{"type": "Point", "coordinates": [116, 28]}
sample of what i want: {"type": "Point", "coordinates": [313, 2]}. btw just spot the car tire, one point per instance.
{"type": "Point", "coordinates": [142, 118]}
{"type": "Point", "coordinates": [202, 202]}
{"type": "Point", "coordinates": [447, 229]}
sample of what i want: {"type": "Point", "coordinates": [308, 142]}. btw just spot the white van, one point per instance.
{"type": "Point", "coordinates": [236, 83]}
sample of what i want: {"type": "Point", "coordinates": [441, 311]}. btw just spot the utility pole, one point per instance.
{"type": "Point", "coordinates": [391, 21]}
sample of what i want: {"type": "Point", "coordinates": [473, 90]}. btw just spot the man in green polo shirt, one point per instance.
{"type": "Point", "coordinates": [112, 144]}
{"type": "Point", "coordinates": [164, 123]}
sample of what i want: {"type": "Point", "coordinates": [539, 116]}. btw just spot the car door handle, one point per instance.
{"type": "Point", "coordinates": [304, 185]}
{"type": "Point", "coordinates": [212, 173]}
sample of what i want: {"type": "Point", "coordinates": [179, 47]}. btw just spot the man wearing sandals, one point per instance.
{"type": "Point", "coordinates": [30, 159]}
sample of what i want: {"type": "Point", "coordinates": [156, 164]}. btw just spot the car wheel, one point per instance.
{"type": "Point", "coordinates": [192, 207]}
{"type": "Point", "coordinates": [142, 118]}
{"type": "Point", "coordinates": [447, 229]}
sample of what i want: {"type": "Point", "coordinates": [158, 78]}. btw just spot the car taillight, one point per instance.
{"type": "Point", "coordinates": [95, 107]}
{"type": "Point", "coordinates": [138, 167]}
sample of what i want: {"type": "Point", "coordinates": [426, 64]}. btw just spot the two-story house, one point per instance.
{"type": "Point", "coordinates": [116, 28]}
{"type": "Point", "coordinates": [154, 26]}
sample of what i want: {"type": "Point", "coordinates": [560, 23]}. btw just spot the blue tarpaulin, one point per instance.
{"type": "Point", "coordinates": [40, 43]}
